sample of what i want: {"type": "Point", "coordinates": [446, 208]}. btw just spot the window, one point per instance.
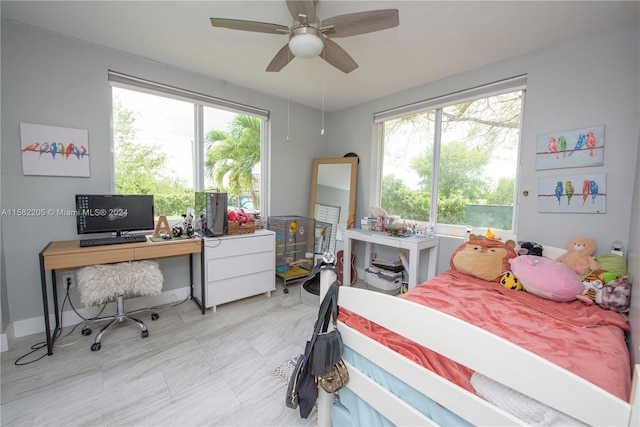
{"type": "Point", "coordinates": [453, 161]}
{"type": "Point", "coordinates": [170, 143]}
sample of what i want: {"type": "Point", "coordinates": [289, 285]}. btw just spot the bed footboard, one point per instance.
{"type": "Point", "coordinates": [472, 347]}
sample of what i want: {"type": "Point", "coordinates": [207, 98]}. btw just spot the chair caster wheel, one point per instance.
{"type": "Point", "coordinates": [286, 291]}
{"type": "Point", "coordinates": [86, 331]}
{"type": "Point", "coordinates": [155, 316]}
{"type": "Point", "coordinates": [96, 346]}
{"type": "Point", "coordinates": [145, 334]}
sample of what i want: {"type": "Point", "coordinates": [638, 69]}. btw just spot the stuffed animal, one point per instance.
{"type": "Point", "coordinates": [614, 295]}
{"type": "Point", "coordinates": [547, 278]}
{"type": "Point", "coordinates": [510, 281]}
{"type": "Point", "coordinates": [580, 255]}
{"type": "Point", "coordinates": [530, 248]}
{"type": "Point", "coordinates": [485, 258]}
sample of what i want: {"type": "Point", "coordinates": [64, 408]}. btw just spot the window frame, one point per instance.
{"type": "Point", "coordinates": [199, 101]}
{"type": "Point", "coordinates": [513, 84]}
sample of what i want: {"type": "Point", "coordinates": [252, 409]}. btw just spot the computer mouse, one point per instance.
{"type": "Point", "coordinates": [166, 236]}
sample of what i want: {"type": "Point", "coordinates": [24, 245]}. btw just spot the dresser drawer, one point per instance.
{"type": "Point", "coordinates": [238, 245]}
{"type": "Point", "coordinates": [223, 268]}
{"type": "Point", "coordinates": [238, 287]}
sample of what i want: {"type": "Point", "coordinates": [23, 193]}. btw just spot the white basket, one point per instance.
{"type": "Point", "coordinates": [384, 281]}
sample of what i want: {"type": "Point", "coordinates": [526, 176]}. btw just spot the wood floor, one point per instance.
{"type": "Point", "coordinates": [192, 370]}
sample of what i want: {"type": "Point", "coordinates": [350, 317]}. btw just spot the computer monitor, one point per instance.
{"type": "Point", "coordinates": [102, 213]}
{"type": "Point", "coordinates": [213, 208]}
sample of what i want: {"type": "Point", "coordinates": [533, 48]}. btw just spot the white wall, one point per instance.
{"type": "Point", "coordinates": [590, 81]}
{"type": "Point", "coordinates": [51, 80]}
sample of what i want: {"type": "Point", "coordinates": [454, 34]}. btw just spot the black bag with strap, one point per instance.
{"type": "Point", "coordinates": [328, 367]}
{"type": "Point", "coordinates": [302, 390]}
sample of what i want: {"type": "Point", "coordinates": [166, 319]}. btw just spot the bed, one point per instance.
{"type": "Point", "coordinates": [457, 364]}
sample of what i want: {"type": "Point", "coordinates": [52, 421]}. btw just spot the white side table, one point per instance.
{"type": "Point", "coordinates": [415, 245]}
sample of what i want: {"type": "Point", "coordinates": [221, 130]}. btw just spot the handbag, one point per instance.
{"type": "Point", "coordinates": [328, 346]}
{"type": "Point", "coordinates": [327, 365]}
{"type": "Point", "coordinates": [291, 400]}
{"type": "Point", "coordinates": [302, 390]}
{"type": "Point", "coordinates": [335, 378]}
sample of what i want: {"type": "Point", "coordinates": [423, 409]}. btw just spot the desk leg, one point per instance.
{"type": "Point", "coordinates": [433, 262]}
{"type": "Point", "coordinates": [414, 267]}
{"type": "Point", "coordinates": [201, 303]}
{"type": "Point", "coordinates": [45, 306]}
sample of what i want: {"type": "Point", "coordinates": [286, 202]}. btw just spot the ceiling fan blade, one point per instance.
{"type": "Point", "coordinates": [259, 27]}
{"type": "Point", "coordinates": [282, 58]}
{"type": "Point", "coordinates": [338, 57]}
{"type": "Point", "coordinates": [353, 24]}
{"type": "Point", "coordinates": [302, 7]}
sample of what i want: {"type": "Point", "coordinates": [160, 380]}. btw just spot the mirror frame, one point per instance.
{"type": "Point", "coordinates": [353, 161]}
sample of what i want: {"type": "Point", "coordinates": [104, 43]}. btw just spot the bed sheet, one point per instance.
{"type": "Point", "coordinates": [585, 340]}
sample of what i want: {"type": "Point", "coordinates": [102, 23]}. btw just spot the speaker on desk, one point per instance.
{"type": "Point", "coordinates": [214, 205]}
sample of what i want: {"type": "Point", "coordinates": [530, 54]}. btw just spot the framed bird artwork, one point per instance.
{"type": "Point", "coordinates": [54, 151]}
{"type": "Point", "coordinates": [570, 148]}
{"type": "Point", "coordinates": [580, 193]}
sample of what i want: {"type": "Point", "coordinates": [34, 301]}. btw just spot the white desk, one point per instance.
{"type": "Point", "coordinates": [415, 245]}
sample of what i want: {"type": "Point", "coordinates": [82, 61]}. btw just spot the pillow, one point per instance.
{"type": "Point", "coordinates": [612, 263]}
{"type": "Point", "coordinates": [485, 258]}
{"type": "Point", "coordinates": [547, 278]}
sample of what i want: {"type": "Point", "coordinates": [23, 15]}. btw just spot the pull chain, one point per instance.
{"type": "Point", "coordinates": [323, 86]}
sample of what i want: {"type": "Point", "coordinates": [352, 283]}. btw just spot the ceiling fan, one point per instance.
{"type": "Point", "coordinates": [310, 37]}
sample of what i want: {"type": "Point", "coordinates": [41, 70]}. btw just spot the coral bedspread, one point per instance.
{"type": "Point", "coordinates": [585, 340]}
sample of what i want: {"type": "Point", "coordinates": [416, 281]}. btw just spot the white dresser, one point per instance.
{"type": "Point", "coordinates": [236, 267]}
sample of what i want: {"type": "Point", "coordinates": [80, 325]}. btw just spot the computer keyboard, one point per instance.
{"type": "Point", "coordinates": [114, 240]}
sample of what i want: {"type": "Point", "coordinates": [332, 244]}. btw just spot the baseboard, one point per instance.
{"type": "Point", "coordinates": [35, 325]}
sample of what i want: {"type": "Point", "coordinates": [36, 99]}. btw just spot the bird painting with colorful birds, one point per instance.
{"type": "Point", "coordinates": [56, 148]}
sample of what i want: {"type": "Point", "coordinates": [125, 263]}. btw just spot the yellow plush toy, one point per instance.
{"type": "Point", "coordinates": [580, 255]}
{"type": "Point", "coordinates": [510, 281]}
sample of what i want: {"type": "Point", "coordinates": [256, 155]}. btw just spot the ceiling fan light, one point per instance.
{"type": "Point", "coordinates": [305, 45]}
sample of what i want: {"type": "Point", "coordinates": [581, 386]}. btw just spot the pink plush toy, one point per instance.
{"type": "Point", "coordinates": [580, 255]}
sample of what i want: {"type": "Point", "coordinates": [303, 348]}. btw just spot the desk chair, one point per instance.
{"type": "Point", "coordinates": [99, 284]}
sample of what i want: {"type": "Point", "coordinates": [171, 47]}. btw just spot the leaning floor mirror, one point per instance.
{"type": "Point", "coordinates": [332, 200]}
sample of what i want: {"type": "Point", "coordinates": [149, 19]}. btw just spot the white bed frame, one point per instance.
{"type": "Point", "coordinates": [473, 347]}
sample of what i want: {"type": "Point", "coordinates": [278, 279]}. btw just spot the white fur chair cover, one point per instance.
{"type": "Point", "coordinates": [98, 284]}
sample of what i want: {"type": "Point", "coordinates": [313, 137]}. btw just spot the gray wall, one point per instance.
{"type": "Point", "coordinates": [633, 251]}
{"type": "Point", "coordinates": [51, 80]}
{"type": "Point", "coordinates": [590, 81]}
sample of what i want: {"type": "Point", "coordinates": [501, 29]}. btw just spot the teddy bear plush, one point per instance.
{"type": "Point", "coordinates": [580, 255]}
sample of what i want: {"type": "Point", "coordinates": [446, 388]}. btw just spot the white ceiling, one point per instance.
{"type": "Point", "coordinates": [435, 39]}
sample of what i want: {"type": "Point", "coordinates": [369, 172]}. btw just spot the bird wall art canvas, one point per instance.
{"type": "Point", "coordinates": [580, 193]}
{"type": "Point", "coordinates": [54, 151]}
{"type": "Point", "coordinates": [570, 148]}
